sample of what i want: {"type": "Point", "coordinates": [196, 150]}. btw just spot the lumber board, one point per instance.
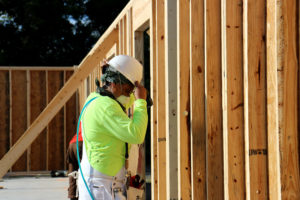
{"type": "Point", "coordinates": [154, 128]}
{"type": "Point", "coordinates": [91, 85]}
{"type": "Point", "coordinates": [56, 125]}
{"type": "Point", "coordinates": [97, 53]}
{"type": "Point", "coordinates": [125, 38]}
{"type": "Point", "coordinates": [65, 127]}
{"type": "Point", "coordinates": [215, 187]}
{"type": "Point", "coordinates": [257, 99]}
{"type": "Point", "coordinates": [161, 101]}
{"type": "Point", "coordinates": [141, 11]}
{"type": "Point", "coordinates": [197, 104]}
{"type": "Point", "coordinates": [10, 112]}
{"type": "Point", "coordinates": [171, 99]}
{"type": "Point", "coordinates": [121, 51]}
{"type": "Point", "coordinates": [28, 114]}
{"type": "Point", "coordinates": [72, 108]}
{"type": "Point", "coordinates": [289, 134]}
{"type": "Point", "coordinates": [246, 99]}
{"type": "Point", "coordinates": [183, 99]}
{"type": "Point", "coordinates": [37, 104]}
{"type": "Point", "coordinates": [19, 113]}
{"type": "Point", "coordinates": [235, 101]}
{"type": "Point", "coordinates": [272, 103]}
{"type": "Point", "coordinates": [47, 128]}
{"type": "Point", "coordinates": [129, 32]}
{"type": "Point", "coordinates": [224, 77]}
{"type": "Point", "coordinates": [4, 112]}
{"type": "Point", "coordinates": [136, 164]}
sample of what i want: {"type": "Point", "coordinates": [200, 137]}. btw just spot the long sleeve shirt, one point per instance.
{"type": "Point", "coordinates": [106, 129]}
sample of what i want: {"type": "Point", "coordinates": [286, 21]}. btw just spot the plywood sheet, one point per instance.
{"type": "Point", "coordinates": [71, 114]}
{"type": "Point", "coordinates": [37, 105]}
{"type": "Point", "coordinates": [4, 112]}
{"type": "Point", "coordinates": [19, 113]}
{"type": "Point", "coordinates": [56, 126]}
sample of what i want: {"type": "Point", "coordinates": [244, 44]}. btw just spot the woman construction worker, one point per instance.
{"type": "Point", "coordinates": [108, 131]}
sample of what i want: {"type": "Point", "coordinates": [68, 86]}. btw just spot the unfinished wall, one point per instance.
{"type": "Point", "coordinates": [217, 130]}
{"type": "Point", "coordinates": [225, 86]}
{"type": "Point", "coordinates": [234, 139]}
{"type": "Point", "coordinates": [25, 92]}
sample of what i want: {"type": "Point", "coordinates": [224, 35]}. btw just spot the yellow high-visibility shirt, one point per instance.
{"type": "Point", "coordinates": [106, 129]}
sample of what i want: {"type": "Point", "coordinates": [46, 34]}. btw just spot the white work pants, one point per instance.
{"type": "Point", "coordinates": [102, 187]}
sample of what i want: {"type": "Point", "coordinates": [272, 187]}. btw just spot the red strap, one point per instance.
{"type": "Point", "coordinates": [73, 140]}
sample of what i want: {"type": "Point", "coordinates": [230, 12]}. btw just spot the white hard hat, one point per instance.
{"type": "Point", "coordinates": [128, 67]}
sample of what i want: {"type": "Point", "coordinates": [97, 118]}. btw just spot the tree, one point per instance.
{"type": "Point", "coordinates": [52, 32]}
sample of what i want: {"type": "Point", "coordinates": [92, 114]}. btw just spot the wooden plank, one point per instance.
{"type": "Point", "coordinates": [56, 126]}
{"type": "Point", "coordinates": [130, 32]}
{"type": "Point", "coordinates": [10, 112]}
{"type": "Point", "coordinates": [246, 99]}
{"type": "Point", "coordinates": [235, 101]}
{"type": "Point", "coordinates": [71, 114]}
{"type": "Point", "coordinates": [125, 38]}
{"type": "Point", "coordinates": [65, 144]}
{"type": "Point", "coordinates": [4, 112]}
{"type": "Point", "coordinates": [257, 99]}
{"type": "Point", "coordinates": [141, 11]}
{"type": "Point", "coordinates": [183, 99]}
{"type": "Point", "coordinates": [272, 104]}
{"type": "Point", "coordinates": [289, 134]}
{"type": "Point", "coordinates": [161, 101]}
{"type": "Point", "coordinates": [91, 85]}
{"type": "Point", "coordinates": [28, 114]}
{"type": "Point", "coordinates": [19, 113]}
{"type": "Point", "coordinates": [215, 188]}
{"type": "Point", "coordinates": [154, 128]}
{"type": "Point", "coordinates": [171, 98]}
{"type": "Point", "coordinates": [197, 104]}
{"type": "Point", "coordinates": [224, 94]}
{"type": "Point", "coordinates": [136, 161]}
{"type": "Point", "coordinates": [137, 157]}
{"type": "Point", "coordinates": [47, 128]}
{"type": "Point", "coordinates": [120, 38]}
{"type": "Point", "coordinates": [37, 104]}
{"type": "Point", "coordinates": [98, 52]}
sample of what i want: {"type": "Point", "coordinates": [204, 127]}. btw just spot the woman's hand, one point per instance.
{"type": "Point", "coordinates": [140, 92]}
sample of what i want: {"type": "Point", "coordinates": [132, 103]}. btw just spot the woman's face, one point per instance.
{"type": "Point", "coordinates": [121, 89]}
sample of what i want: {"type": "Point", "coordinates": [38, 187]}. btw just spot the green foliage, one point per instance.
{"type": "Point", "coordinates": [52, 32]}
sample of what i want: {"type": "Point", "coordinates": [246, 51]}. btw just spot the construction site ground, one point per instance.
{"type": "Point", "coordinates": [33, 188]}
